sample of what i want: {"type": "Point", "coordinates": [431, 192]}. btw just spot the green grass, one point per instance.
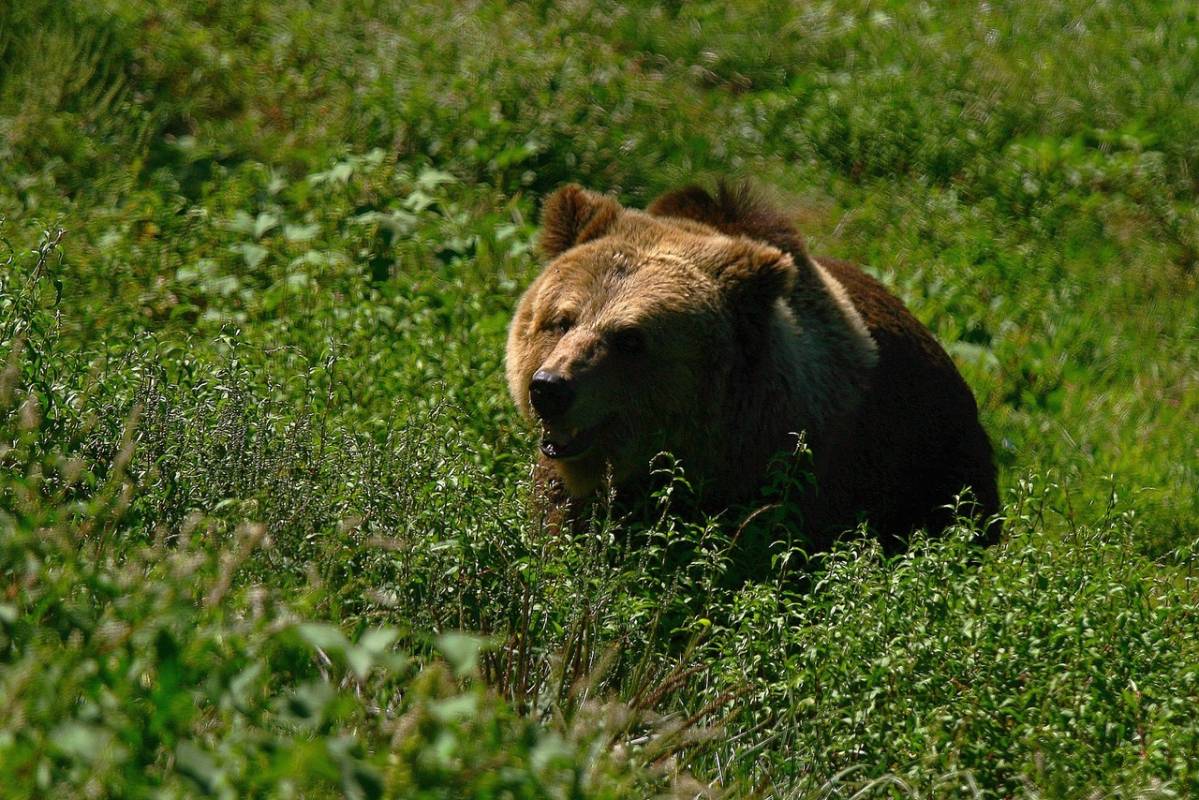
{"type": "Point", "coordinates": [264, 517]}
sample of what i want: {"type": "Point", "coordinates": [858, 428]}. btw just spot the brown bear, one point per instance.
{"type": "Point", "coordinates": [703, 327]}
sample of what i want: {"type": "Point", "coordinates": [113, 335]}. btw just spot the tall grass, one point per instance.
{"type": "Point", "coordinates": [265, 525]}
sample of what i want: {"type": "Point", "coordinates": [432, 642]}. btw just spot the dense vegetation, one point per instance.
{"type": "Point", "coordinates": [264, 518]}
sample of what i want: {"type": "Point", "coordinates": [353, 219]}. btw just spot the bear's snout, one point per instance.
{"type": "Point", "coordinates": [550, 394]}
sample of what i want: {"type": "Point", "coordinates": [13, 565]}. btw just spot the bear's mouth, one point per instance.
{"type": "Point", "coordinates": [563, 443]}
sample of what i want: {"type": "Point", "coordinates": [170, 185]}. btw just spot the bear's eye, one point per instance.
{"type": "Point", "coordinates": [560, 324]}
{"type": "Point", "coordinates": [628, 340]}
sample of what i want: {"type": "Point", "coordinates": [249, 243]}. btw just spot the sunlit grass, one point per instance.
{"type": "Point", "coordinates": [258, 466]}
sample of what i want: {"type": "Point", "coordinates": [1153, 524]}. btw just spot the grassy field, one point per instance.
{"type": "Point", "coordinates": [264, 518]}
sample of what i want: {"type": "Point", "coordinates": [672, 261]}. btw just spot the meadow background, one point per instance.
{"type": "Point", "coordinates": [264, 519]}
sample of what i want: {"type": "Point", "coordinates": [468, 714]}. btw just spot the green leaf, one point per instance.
{"type": "Point", "coordinates": [80, 740]}
{"type": "Point", "coordinates": [461, 650]}
{"type": "Point", "coordinates": [243, 683]}
{"type": "Point", "coordinates": [360, 661]}
{"type": "Point", "coordinates": [309, 701]}
{"type": "Point", "coordinates": [430, 178]}
{"type": "Point", "coordinates": [254, 254]}
{"type": "Point", "coordinates": [198, 766]}
{"type": "Point", "coordinates": [378, 640]}
{"type": "Point", "coordinates": [300, 233]}
{"type": "Point", "coordinates": [265, 222]}
{"type": "Point", "coordinates": [454, 709]}
{"type": "Point", "coordinates": [326, 637]}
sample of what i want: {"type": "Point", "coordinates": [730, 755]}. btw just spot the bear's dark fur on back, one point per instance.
{"type": "Point", "coordinates": [915, 440]}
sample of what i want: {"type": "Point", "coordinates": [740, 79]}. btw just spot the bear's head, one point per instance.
{"type": "Point", "coordinates": [631, 340]}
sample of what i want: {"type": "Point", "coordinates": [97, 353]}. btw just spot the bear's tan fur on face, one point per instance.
{"type": "Point", "coordinates": [703, 328]}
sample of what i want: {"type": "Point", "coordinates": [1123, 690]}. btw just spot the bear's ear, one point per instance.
{"type": "Point", "coordinates": [572, 215]}
{"type": "Point", "coordinates": [754, 275]}
{"type": "Point", "coordinates": [690, 202]}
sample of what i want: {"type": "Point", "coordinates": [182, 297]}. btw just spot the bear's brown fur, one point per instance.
{"type": "Point", "coordinates": [702, 327]}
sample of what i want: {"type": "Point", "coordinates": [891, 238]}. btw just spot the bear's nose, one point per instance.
{"type": "Point", "coordinates": [550, 394]}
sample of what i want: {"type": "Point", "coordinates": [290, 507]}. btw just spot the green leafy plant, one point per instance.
{"type": "Point", "coordinates": [265, 518]}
